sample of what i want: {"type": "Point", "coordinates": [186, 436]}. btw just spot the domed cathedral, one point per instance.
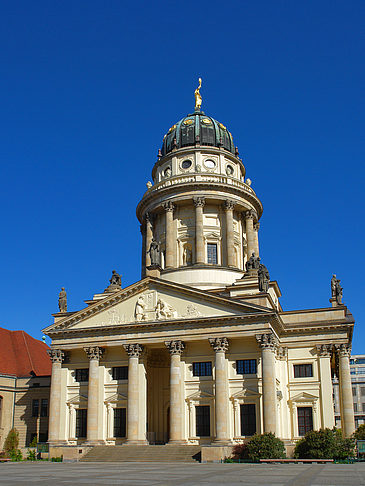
{"type": "Point", "coordinates": [199, 354]}
{"type": "Point", "coordinates": [201, 209]}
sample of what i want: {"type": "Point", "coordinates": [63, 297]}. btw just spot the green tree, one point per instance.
{"type": "Point", "coordinates": [265, 446]}
{"type": "Point", "coordinates": [12, 440]}
{"type": "Point", "coordinates": [359, 434]}
{"type": "Point", "coordinates": [324, 444]}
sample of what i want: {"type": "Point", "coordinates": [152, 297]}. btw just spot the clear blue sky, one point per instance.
{"type": "Point", "coordinates": [88, 89]}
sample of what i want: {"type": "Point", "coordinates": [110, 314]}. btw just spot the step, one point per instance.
{"type": "Point", "coordinates": [152, 453]}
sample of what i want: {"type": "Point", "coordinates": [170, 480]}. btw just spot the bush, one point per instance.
{"type": "Point", "coordinates": [324, 444]}
{"type": "Point", "coordinates": [359, 434]}
{"type": "Point", "coordinates": [239, 451]}
{"type": "Point", "coordinates": [31, 455]}
{"type": "Point", "coordinates": [57, 459]}
{"type": "Point", "coordinates": [34, 442]}
{"type": "Point", "coordinates": [12, 441]}
{"type": "Point", "coordinates": [16, 455]}
{"type": "Point", "coordinates": [265, 446]}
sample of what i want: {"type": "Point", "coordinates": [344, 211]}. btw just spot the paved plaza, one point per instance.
{"type": "Point", "coordinates": [143, 474]}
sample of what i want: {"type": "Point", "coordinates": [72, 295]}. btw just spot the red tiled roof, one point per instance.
{"type": "Point", "coordinates": [22, 355]}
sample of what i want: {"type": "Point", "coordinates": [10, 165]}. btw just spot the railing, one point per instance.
{"type": "Point", "coordinates": [196, 178]}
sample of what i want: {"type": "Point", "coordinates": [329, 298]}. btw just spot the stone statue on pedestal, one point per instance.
{"type": "Point", "coordinates": [264, 278]}
{"type": "Point", "coordinates": [253, 263]}
{"type": "Point", "coordinates": [154, 252]}
{"type": "Point", "coordinates": [336, 289]}
{"type": "Point", "coordinates": [115, 279]}
{"type": "Point", "coordinates": [62, 300]}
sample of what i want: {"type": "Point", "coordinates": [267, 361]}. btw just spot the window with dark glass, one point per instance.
{"type": "Point", "coordinates": [35, 407]}
{"type": "Point", "coordinates": [202, 415]}
{"type": "Point", "coordinates": [305, 420]}
{"type": "Point", "coordinates": [120, 373]}
{"type": "Point", "coordinates": [44, 407]}
{"type": "Point", "coordinates": [81, 421]}
{"type": "Point", "coordinates": [246, 366]}
{"type": "Point", "coordinates": [43, 436]}
{"type": "Point", "coordinates": [202, 368]}
{"type": "Point", "coordinates": [212, 253]}
{"type": "Point", "coordinates": [303, 371]}
{"type": "Point", "coordinates": [119, 422]}
{"type": "Point", "coordinates": [248, 419]}
{"type": "Point", "coordinates": [354, 392]}
{"type": "Point", "coordinates": [355, 407]}
{"type": "Point", "coordinates": [82, 375]}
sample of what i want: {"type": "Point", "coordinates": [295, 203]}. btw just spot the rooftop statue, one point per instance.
{"type": "Point", "coordinates": [154, 252]}
{"type": "Point", "coordinates": [198, 97]}
{"type": "Point", "coordinates": [115, 279]}
{"type": "Point", "coordinates": [336, 289]}
{"type": "Point", "coordinates": [62, 300]}
{"type": "Point", "coordinates": [253, 263]}
{"type": "Point", "coordinates": [264, 278]}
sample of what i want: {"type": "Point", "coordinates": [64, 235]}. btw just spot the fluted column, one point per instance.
{"type": "Point", "coordinates": [324, 354]}
{"type": "Point", "coordinates": [94, 354]}
{"type": "Point", "coordinates": [220, 346]}
{"type": "Point", "coordinates": [134, 352]}
{"type": "Point", "coordinates": [256, 228]}
{"type": "Point", "coordinates": [250, 237]}
{"type": "Point", "coordinates": [228, 208]}
{"type": "Point", "coordinates": [199, 203]}
{"type": "Point", "coordinates": [169, 209]}
{"type": "Point", "coordinates": [267, 344]}
{"type": "Point", "coordinates": [56, 356]}
{"type": "Point", "coordinates": [176, 349]}
{"type": "Point", "coordinates": [346, 398]}
{"type": "Point", "coordinates": [149, 237]}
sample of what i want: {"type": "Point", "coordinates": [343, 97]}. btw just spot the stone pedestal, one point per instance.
{"type": "Point", "coordinates": [153, 271]}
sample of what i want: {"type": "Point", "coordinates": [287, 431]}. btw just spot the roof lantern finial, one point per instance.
{"type": "Point", "coordinates": [198, 97]}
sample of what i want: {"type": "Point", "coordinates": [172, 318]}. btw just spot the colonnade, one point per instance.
{"type": "Point", "coordinates": [136, 429]}
{"type": "Point", "coordinates": [248, 218]}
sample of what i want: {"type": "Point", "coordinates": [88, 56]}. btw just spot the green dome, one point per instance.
{"type": "Point", "coordinates": [197, 129]}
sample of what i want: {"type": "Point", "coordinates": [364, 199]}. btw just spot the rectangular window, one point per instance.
{"type": "Point", "coordinates": [81, 422]}
{"type": "Point", "coordinates": [353, 391]}
{"type": "Point", "coordinates": [44, 407]}
{"type": "Point", "coordinates": [246, 366]}
{"type": "Point", "coordinates": [305, 420]}
{"type": "Point", "coordinates": [82, 375]}
{"type": "Point", "coordinates": [355, 407]}
{"type": "Point", "coordinates": [119, 422]}
{"type": "Point", "coordinates": [120, 373]}
{"type": "Point", "coordinates": [362, 391]}
{"type": "Point", "coordinates": [35, 407]}
{"type": "Point", "coordinates": [202, 414]}
{"type": "Point", "coordinates": [303, 371]}
{"type": "Point", "coordinates": [212, 254]}
{"type": "Point", "coordinates": [203, 368]}
{"type": "Point", "coordinates": [363, 407]}
{"type": "Point", "coordinates": [248, 419]}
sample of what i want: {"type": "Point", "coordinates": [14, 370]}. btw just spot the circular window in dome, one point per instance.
{"type": "Point", "coordinates": [189, 121]}
{"type": "Point", "coordinates": [229, 170]}
{"type": "Point", "coordinates": [209, 164]}
{"type": "Point", "coordinates": [186, 164]}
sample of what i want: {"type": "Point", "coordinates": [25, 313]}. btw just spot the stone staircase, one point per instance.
{"type": "Point", "coordinates": [149, 453]}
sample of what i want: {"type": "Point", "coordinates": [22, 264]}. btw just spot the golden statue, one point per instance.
{"type": "Point", "coordinates": [198, 97]}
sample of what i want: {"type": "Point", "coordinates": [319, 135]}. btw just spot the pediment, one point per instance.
{"type": "Point", "coordinates": [245, 393]}
{"type": "Point", "coordinates": [77, 400]}
{"type": "Point", "coordinates": [116, 398]}
{"type": "Point", "coordinates": [153, 300]}
{"type": "Point", "coordinates": [303, 397]}
{"type": "Point", "coordinates": [200, 395]}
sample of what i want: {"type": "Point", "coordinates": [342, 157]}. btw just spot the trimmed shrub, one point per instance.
{"type": "Point", "coordinates": [31, 455]}
{"type": "Point", "coordinates": [359, 433]}
{"type": "Point", "coordinates": [239, 451]}
{"type": "Point", "coordinates": [265, 446]}
{"type": "Point", "coordinates": [324, 444]}
{"type": "Point", "coordinates": [12, 440]}
{"type": "Point", "coordinates": [16, 455]}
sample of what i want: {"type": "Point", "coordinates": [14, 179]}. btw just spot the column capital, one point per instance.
{"type": "Point", "coordinates": [133, 350]}
{"type": "Point", "coordinates": [175, 347]}
{"type": "Point", "coordinates": [94, 352]}
{"type": "Point", "coordinates": [199, 202]}
{"type": "Point", "coordinates": [56, 355]}
{"type": "Point", "coordinates": [219, 344]}
{"type": "Point", "coordinates": [256, 226]}
{"type": "Point", "coordinates": [228, 205]}
{"type": "Point", "coordinates": [266, 341]}
{"type": "Point", "coordinates": [324, 350]}
{"type": "Point", "coordinates": [251, 214]}
{"type": "Point", "coordinates": [169, 206]}
{"type": "Point", "coordinates": [282, 352]}
{"type": "Point", "coordinates": [343, 350]}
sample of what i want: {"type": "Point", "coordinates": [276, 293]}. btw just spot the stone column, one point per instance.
{"type": "Point", "coordinates": [346, 398]}
{"type": "Point", "coordinates": [256, 228]}
{"type": "Point", "coordinates": [56, 356]}
{"type": "Point", "coordinates": [267, 344]}
{"type": "Point", "coordinates": [134, 352]}
{"type": "Point", "coordinates": [94, 354]}
{"type": "Point", "coordinates": [220, 346]}
{"type": "Point", "coordinates": [169, 208]}
{"type": "Point", "coordinates": [199, 203]}
{"type": "Point", "coordinates": [176, 348]}
{"type": "Point", "coordinates": [250, 236]}
{"type": "Point", "coordinates": [149, 237]}
{"type": "Point", "coordinates": [327, 409]}
{"type": "Point", "coordinates": [228, 208]}
{"type": "Point", "coordinates": [142, 229]}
